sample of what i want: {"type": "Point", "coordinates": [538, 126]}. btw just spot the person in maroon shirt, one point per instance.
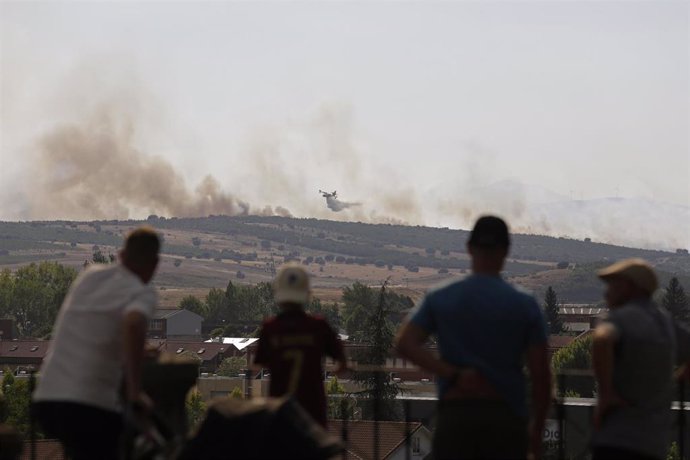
{"type": "Point", "coordinates": [292, 345]}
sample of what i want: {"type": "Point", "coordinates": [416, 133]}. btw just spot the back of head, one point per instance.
{"type": "Point", "coordinates": [488, 245]}
{"type": "Point", "coordinates": [490, 232]}
{"type": "Point", "coordinates": [291, 286]}
{"type": "Point", "coordinates": [141, 247]}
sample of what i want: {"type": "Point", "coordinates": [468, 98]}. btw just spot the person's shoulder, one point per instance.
{"type": "Point", "coordinates": [270, 323]}
{"type": "Point", "coordinates": [94, 274]}
{"type": "Point", "coordinates": [446, 288]}
{"type": "Point", "coordinates": [522, 292]}
{"type": "Point", "coordinates": [521, 295]}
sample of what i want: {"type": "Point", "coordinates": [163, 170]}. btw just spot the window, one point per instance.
{"type": "Point", "coordinates": [156, 324]}
{"type": "Point", "coordinates": [201, 351]}
{"type": "Point", "coordinates": [179, 350]}
{"type": "Point", "coordinates": [13, 348]}
{"type": "Point", "coordinates": [34, 348]}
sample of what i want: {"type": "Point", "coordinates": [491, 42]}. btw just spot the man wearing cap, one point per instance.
{"type": "Point", "coordinates": [292, 345]}
{"type": "Point", "coordinates": [634, 352]}
{"type": "Point", "coordinates": [485, 330]}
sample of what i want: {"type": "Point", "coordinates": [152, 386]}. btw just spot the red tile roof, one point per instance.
{"type": "Point", "coordinates": [24, 348]}
{"type": "Point", "coordinates": [360, 445]}
{"type": "Point", "coordinates": [560, 341]}
{"type": "Point", "coordinates": [46, 449]}
{"type": "Point", "coordinates": [204, 350]}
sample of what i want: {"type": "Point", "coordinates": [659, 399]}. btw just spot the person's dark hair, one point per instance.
{"type": "Point", "coordinates": [490, 232]}
{"type": "Point", "coordinates": [142, 245]}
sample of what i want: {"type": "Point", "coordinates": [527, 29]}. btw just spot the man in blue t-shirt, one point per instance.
{"type": "Point", "coordinates": [485, 329]}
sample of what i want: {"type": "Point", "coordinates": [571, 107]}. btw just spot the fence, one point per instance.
{"type": "Point", "coordinates": [573, 417]}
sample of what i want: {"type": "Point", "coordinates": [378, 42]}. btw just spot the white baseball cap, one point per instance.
{"type": "Point", "coordinates": [292, 285]}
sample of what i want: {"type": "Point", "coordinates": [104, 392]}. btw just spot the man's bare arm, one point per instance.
{"type": "Point", "coordinates": [135, 326]}
{"type": "Point", "coordinates": [540, 374]}
{"type": "Point", "coordinates": [602, 358]}
{"type": "Point", "coordinates": [410, 344]}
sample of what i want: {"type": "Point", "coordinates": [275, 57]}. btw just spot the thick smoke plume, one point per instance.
{"type": "Point", "coordinates": [93, 170]}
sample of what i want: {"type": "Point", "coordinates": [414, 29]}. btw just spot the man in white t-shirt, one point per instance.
{"type": "Point", "coordinates": [97, 351]}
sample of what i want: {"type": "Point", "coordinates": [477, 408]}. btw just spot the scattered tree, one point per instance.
{"type": "Point", "coordinates": [551, 311]}
{"type": "Point", "coordinates": [676, 301]}
{"type": "Point", "coordinates": [196, 409]}
{"type": "Point", "coordinates": [377, 385]}
{"type": "Point", "coordinates": [193, 304]}
{"type": "Point", "coordinates": [32, 296]}
{"type": "Point", "coordinates": [576, 356]}
{"type": "Point", "coordinates": [341, 406]}
{"type": "Point", "coordinates": [15, 401]}
{"type": "Point", "coordinates": [232, 366]}
{"type": "Point", "coordinates": [99, 258]}
{"type": "Point", "coordinates": [329, 312]}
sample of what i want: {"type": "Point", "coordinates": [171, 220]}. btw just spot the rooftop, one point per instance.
{"type": "Point", "coordinates": [360, 435]}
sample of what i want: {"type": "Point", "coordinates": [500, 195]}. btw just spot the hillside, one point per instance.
{"type": "Point", "coordinates": [207, 252]}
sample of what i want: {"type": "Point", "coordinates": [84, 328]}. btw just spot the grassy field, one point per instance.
{"type": "Point", "coordinates": [199, 254]}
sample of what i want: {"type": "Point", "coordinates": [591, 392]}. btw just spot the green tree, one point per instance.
{"type": "Point", "coordinates": [231, 366]}
{"type": "Point", "coordinates": [32, 296]}
{"type": "Point", "coordinates": [340, 404]}
{"type": "Point", "coordinates": [676, 301]}
{"type": "Point", "coordinates": [196, 409]}
{"type": "Point", "coordinates": [358, 302]}
{"type": "Point", "coordinates": [16, 402]}
{"type": "Point", "coordinates": [193, 304]}
{"type": "Point", "coordinates": [236, 393]}
{"type": "Point", "coordinates": [577, 356]}
{"type": "Point", "coordinates": [551, 311]}
{"type": "Point", "coordinates": [216, 305]}
{"type": "Point", "coordinates": [100, 258]}
{"type": "Point", "coordinates": [377, 386]}
{"type": "Point", "coordinates": [329, 312]}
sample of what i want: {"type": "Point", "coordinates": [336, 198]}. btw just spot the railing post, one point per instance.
{"type": "Point", "coordinates": [248, 384]}
{"type": "Point", "coordinates": [681, 419]}
{"type": "Point", "coordinates": [32, 419]}
{"type": "Point", "coordinates": [560, 409]}
{"type": "Point", "coordinates": [408, 440]}
{"type": "Point", "coordinates": [377, 408]}
{"type": "Point", "coordinates": [344, 434]}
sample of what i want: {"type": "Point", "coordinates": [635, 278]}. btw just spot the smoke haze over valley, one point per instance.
{"type": "Point", "coordinates": [118, 127]}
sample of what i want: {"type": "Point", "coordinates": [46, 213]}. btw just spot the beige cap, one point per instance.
{"type": "Point", "coordinates": [636, 270]}
{"type": "Point", "coordinates": [292, 285]}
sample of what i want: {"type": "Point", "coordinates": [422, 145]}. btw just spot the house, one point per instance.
{"type": "Point", "coordinates": [23, 353]}
{"type": "Point", "coordinates": [46, 449]}
{"type": "Point", "coordinates": [239, 345]}
{"type": "Point", "coordinates": [175, 323]}
{"type": "Point", "coordinates": [393, 439]}
{"type": "Point", "coordinates": [580, 317]}
{"type": "Point", "coordinates": [556, 342]}
{"type": "Point", "coordinates": [210, 354]}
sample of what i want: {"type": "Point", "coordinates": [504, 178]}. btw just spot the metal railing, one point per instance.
{"type": "Point", "coordinates": [561, 405]}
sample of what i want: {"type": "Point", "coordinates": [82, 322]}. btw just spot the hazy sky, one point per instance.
{"type": "Point", "coordinates": [587, 99]}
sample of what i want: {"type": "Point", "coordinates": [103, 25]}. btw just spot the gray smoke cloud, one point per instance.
{"type": "Point", "coordinates": [92, 169]}
{"type": "Point", "coordinates": [95, 166]}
